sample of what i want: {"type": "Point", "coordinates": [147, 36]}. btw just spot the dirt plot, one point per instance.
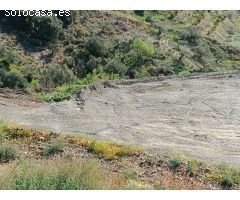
{"type": "Point", "coordinates": [199, 115]}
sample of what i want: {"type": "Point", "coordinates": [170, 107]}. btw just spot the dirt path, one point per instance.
{"type": "Point", "coordinates": [199, 116]}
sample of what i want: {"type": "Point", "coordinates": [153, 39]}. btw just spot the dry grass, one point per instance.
{"type": "Point", "coordinates": [60, 175]}
{"type": "Point", "coordinates": [108, 150]}
{"type": "Point", "coordinates": [171, 182]}
{"type": "Point", "coordinates": [177, 172]}
{"type": "Point", "coordinates": [19, 132]}
{"type": "Point", "coordinates": [7, 153]}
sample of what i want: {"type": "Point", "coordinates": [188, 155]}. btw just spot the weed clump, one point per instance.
{"type": "Point", "coordinates": [7, 153]}
{"type": "Point", "coordinates": [194, 166]}
{"type": "Point", "coordinates": [111, 150]}
{"type": "Point", "coordinates": [108, 150]}
{"type": "Point", "coordinates": [227, 182]}
{"type": "Point", "coordinates": [15, 132]}
{"type": "Point", "coordinates": [175, 162]}
{"type": "Point", "coordinates": [53, 148]}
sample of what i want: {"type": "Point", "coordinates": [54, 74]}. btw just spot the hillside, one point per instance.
{"type": "Point", "coordinates": [120, 100]}
{"type": "Point", "coordinates": [49, 52]}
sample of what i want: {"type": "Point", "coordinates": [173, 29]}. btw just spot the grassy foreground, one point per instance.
{"type": "Point", "coordinates": [33, 159]}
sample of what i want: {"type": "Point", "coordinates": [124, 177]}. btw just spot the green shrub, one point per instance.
{"type": "Point", "coordinates": [96, 46]}
{"type": "Point", "coordinates": [178, 67]}
{"type": "Point", "coordinates": [54, 148]}
{"type": "Point", "coordinates": [12, 80]}
{"type": "Point", "coordinates": [61, 93]}
{"type": "Point", "coordinates": [115, 66]}
{"type": "Point", "coordinates": [46, 28]}
{"type": "Point", "coordinates": [94, 63]}
{"type": "Point", "coordinates": [65, 91]}
{"type": "Point", "coordinates": [35, 84]}
{"type": "Point", "coordinates": [156, 71]}
{"type": "Point", "coordinates": [175, 162]}
{"type": "Point", "coordinates": [143, 48]}
{"type": "Point", "coordinates": [194, 165]}
{"type": "Point", "coordinates": [98, 77]}
{"type": "Point", "coordinates": [227, 182]}
{"type": "Point", "coordinates": [7, 58]}
{"type": "Point", "coordinates": [139, 55]}
{"type": "Point", "coordinates": [184, 73]}
{"type": "Point", "coordinates": [56, 75]}
{"type": "Point", "coordinates": [223, 166]}
{"type": "Point", "coordinates": [61, 175]}
{"type": "Point", "coordinates": [7, 153]}
{"type": "Point", "coordinates": [130, 174]}
{"type": "Point", "coordinates": [139, 12]}
{"type": "Point", "coordinates": [191, 35]}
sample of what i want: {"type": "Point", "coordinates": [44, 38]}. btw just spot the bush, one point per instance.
{"type": "Point", "coordinates": [156, 71]}
{"type": "Point", "coordinates": [130, 174]}
{"type": "Point", "coordinates": [191, 35]}
{"type": "Point", "coordinates": [61, 175]}
{"type": "Point", "coordinates": [7, 153]}
{"type": "Point", "coordinates": [56, 75]}
{"type": "Point", "coordinates": [139, 12]}
{"type": "Point", "coordinates": [227, 182]}
{"type": "Point", "coordinates": [65, 91]}
{"type": "Point", "coordinates": [115, 66]}
{"type": "Point", "coordinates": [194, 166]}
{"type": "Point", "coordinates": [7, 58]}
{"type": "Point", "coordinates": [96, 46]}
{"type": "Point", "coordinates": [143, 48]}
{"type": "Point", "coordinates": [12, 80]}
{"type": "Point", "coordinates": [53, 148]}
{"type": "Point", "coordinates": [178, 67]}
{"type": "Point", "coordinates": [140, 54]}
{"type": "Point", "coordinates": [46, 28]}
{"type": "Point", "coordinates": [93, 63]}
{"type": "Point", "coordinates": [175, 162]}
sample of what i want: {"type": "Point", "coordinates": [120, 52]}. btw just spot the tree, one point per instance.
{"type": "Point", "coordinates": [46, 28]}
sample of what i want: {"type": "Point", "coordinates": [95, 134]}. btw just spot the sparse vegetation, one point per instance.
{"type": "Point", "coordinates": [128, 167]}
{"type": "Point", "coordinates": [54, 148]}
{"type": "Point", "coordinates": [227, 182]}
{"type": "Point", "coordinates": [175, 162]}
{"type": "Point", "coordinates": [65, 91]}
{"type": "Point", "coordinates": [68, 49]}
{"type": "Point", "coordinates": [7, 153]}
{"type": "Point", "coordinates": [63, 175]}
{"type": "Point", "coordinates": [54, 57]}
{"type": "Point", "coordinates": [108, 150]}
